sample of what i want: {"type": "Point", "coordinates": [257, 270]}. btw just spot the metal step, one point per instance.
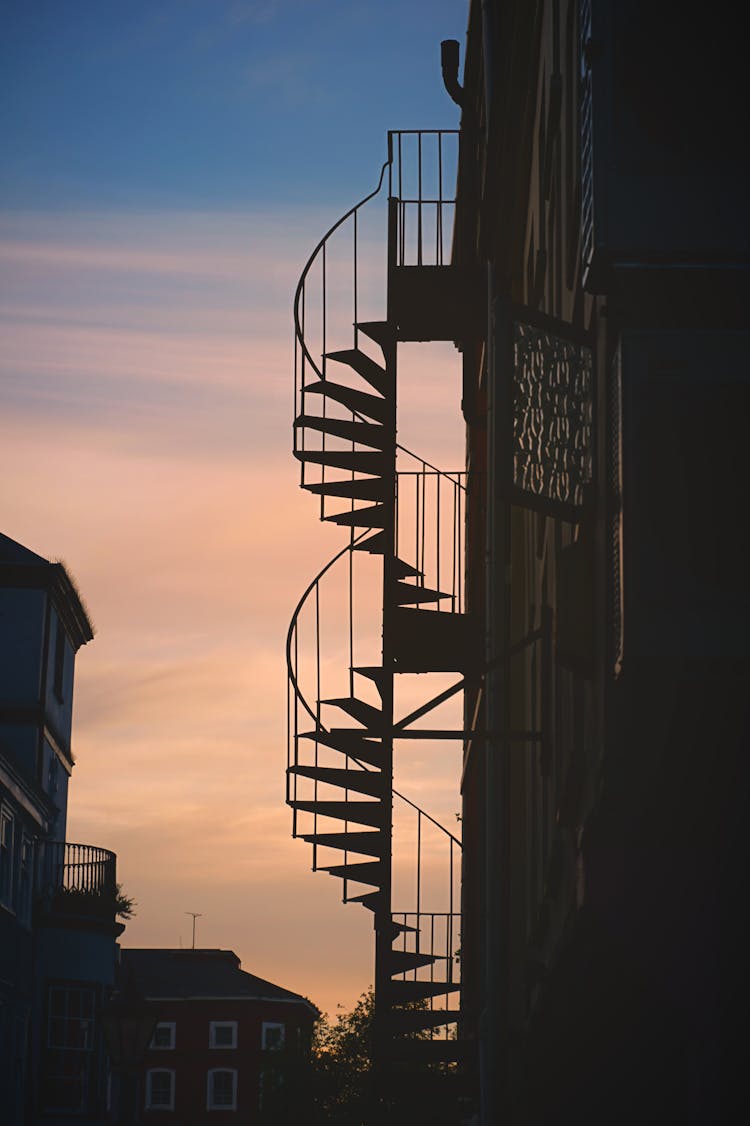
{"type": "Point", "coordinates": [375, 673]}
{"type": "Point", "coordinates": [359, 401]}
{"type": "Point", "coordinates": [404, 570]}
{"type": "Point", "coordinates": [368, 872]}
{"type": "Point", "coordinates": [362, 488]}
{"type": "Point", "coordinates": [367, 844]}
{"type": "Point", "coordinates": [406, 992]}
{"type": "Point", "coordinates": [416, 1020]}
{"type": "Point", "coordinates": [360, 812]}
{"type": "Point", "coordinates": [372, 900]}
{"type": "Point", "coordinates": [407, 593]}
{"type": "Point", "coordinates": [373, 516]}
{"type": "Point", "coordinates": [370, 782]}
{"type": "Point", "coordinates": [372, 372]}
{"type": "Point", "coordinates": [349, 741]}
{"type": "Point", "coordinates": [430, 1051]}
{"type": "Point", "coordinates": [379, 331]}
{"type": "Point", "coordinates": [364, 433]}
{"type": "Point", "coordinates": [361, 461]}
{"type": "Point", "coordinates": [402, 961]}
{"type": "Point", "coordinates": [364, 713]}
{"type": "Point", "coordinates": [375, 545]}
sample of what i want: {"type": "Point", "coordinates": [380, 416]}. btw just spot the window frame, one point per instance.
{"type": "Point", "coordinates": [70, 1037]}
{"type": "Point", "coordinates": [267, 1026]}
{"type": "Point", "coordinates": [149, 1103]}
{"type": "Point", "coordinates": [212, 1027]}
{"type": "Point", "coordinates": [210, 1091]}
{"type": "Point", "coordinates": [7, 857]}
{"type": "Point", "coordinates": [172, 1026]}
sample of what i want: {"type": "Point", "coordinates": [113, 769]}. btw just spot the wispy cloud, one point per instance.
{"type": "Point", "coordinates": [147, 397]}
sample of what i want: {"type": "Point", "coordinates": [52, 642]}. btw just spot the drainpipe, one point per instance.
{"type": "Point", "coordinates": [493, 1044]}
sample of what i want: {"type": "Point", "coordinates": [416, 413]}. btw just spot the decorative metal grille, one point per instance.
{"type": "Point", "coordinates": [551, 416]}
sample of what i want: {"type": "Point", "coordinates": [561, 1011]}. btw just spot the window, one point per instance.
{"type": "Point", "coordinates": [69, 1072]}
{"type": "Point", "coordinates": [25, 875]}
{"type": "Point", "coordinates": [164, 1035]}
{"type": "Point", "coordinates": [222, 1034]}
{"type": "Point", "coordinates": [271, 1081]}
{"type": "Point", "coordinates": [159, 1089]}
{"type": "Point", "coordinates": [59, 670]}
{"type": "Point", "coordinates": [273, 1036]}
{"type": "Point", "coordinates": [222, 1089]}
{"type": "Point", "coordinates": [7, 824]}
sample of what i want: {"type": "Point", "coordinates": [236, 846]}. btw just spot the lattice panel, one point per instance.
{"type": "Point", "coordinates": [552, 415]}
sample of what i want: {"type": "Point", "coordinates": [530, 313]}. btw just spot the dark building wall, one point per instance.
{"type": "Point", "coordinates": [595, 854]}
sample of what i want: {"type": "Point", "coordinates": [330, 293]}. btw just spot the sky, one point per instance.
{"type": "Point", "coordinates": [167, 167]}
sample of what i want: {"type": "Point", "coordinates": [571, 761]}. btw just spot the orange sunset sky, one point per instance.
{"type": "Point", "coordinates": [146, 395]}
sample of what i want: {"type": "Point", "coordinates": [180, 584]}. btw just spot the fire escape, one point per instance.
{"type": "Point", "coordinates": [390, 602]}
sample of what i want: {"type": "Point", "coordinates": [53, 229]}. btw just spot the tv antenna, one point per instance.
{"type": "Point", "coordinates": [195, 915]}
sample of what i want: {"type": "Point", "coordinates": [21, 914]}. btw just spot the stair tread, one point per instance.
{"type": "Point", "coordinates": [369, 369]}
{"type": "Point", "coordinates": [365, 433]}
{"type": "Point", "coordinates": [401, 961]}
{"type": "Point", "coordinates": [379, 331]}
{"type": "Point", "coordinates": [361, 461]}
{"type": "Point", "coordinates": [370, 782]}
{"type": "Point", "coordinates": [364, 872]}
{"type": "Point", "coordinates": [374, 516]}
{"type": "Point", "coordinates": [415, 1020]}
{"type": "Point", "coordinates": [364, 713]}
{"type": "Point", "coordinates": [375, 545]}
{"type": "Point", "coordinates": [402, 992]}
{"type": "Point", "coordinates": [409, 593]}
{"type": "Point", "coordinates": [373, 406]}
{"type": "Point", "coordinates": [351, 741]}
{"type": "Point", "coordinates": [361, 812]}
{"type": "Point", "coordinates": [366, 844]}
{"type": "Point", "coordinates": [361, 488]}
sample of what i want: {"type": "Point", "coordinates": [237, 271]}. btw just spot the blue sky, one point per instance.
{"type": "Point", "coordinates": [167, 168]}
{"type": "Point", "coordinates": [197, 104]}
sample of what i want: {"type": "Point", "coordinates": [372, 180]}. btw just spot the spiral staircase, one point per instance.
{"type": "Point", "coordinates": [388, 603]}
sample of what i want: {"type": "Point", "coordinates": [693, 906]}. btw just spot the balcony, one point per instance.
{"type": "Point", "coordinates": [75, 880]}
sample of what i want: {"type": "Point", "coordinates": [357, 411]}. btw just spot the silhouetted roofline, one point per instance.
{"type": "Point", "coordinates": [23, 568]}
{"type": "Point", "coordinates": [169, 974]}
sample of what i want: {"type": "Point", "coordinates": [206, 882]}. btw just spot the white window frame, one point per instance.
{"type": "Point", "coordinates": [150, 1104]}
{"type": "Point", "coordinates": [210, 1097]}
{"type": "Point", "coordinates": [172, 1026]}
{"type": "Point", "coordinates": [7, 857]}
{"type": "Point", "coordinates": [267, 1026]}
{"type": "Point", "coordinates": [212, 1027]}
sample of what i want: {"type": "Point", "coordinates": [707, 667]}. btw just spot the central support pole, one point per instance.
{"type": "Point", "coordinates": [384, 930]}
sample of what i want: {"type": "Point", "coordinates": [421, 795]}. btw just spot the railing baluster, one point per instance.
{"type": "Point", "coordinates": [419, 199]}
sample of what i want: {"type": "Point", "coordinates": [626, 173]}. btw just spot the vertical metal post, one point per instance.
{"type": "Point", "coordinates": [494, 1017]}
{"type": "Point", "coordinates": [383, 912]}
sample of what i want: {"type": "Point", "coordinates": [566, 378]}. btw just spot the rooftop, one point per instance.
{"type": "Point", "coordinates": [182, 974]}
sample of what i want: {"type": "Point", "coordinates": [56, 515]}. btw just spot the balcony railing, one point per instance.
{"type": "Point", "coordinates": [76, 878]}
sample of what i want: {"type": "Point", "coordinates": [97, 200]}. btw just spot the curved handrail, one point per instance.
{"type": "Point", "coordinates": [293, 624]}
{"type": "Point", "coordinates": [313, 256]}
{"type": "Point", "coordinates": [298, 322]}
{"type": "Point", "coordinates": [291, 673]}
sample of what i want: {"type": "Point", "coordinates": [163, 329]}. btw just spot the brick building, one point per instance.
{"type": "Point", "coordinates": [224, 1040]}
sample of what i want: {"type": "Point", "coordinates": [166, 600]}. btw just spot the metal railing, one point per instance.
{"type": "Point", "coordinates": [75, 871]}
{"type": "Point", "coordinates": [423, 165]}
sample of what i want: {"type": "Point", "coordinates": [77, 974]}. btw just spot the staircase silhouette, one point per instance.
{"type": "Point", "coordinates": [340, 764]}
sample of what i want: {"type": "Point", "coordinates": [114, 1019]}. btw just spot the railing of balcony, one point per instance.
{"type": "Point", "coordinates": [75, 872]}
{"type": "Point", "coordinates": [423, 166]}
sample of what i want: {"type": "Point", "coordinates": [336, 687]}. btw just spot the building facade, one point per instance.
{"type": "Point", "coordinates": [595, 285]}
{"type": "Point", "coordinates": [600, 194]}
{"type": "Point", "coordinates": [57, 899]}
{"type": "Point", "coordinates": [226, 1045]}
